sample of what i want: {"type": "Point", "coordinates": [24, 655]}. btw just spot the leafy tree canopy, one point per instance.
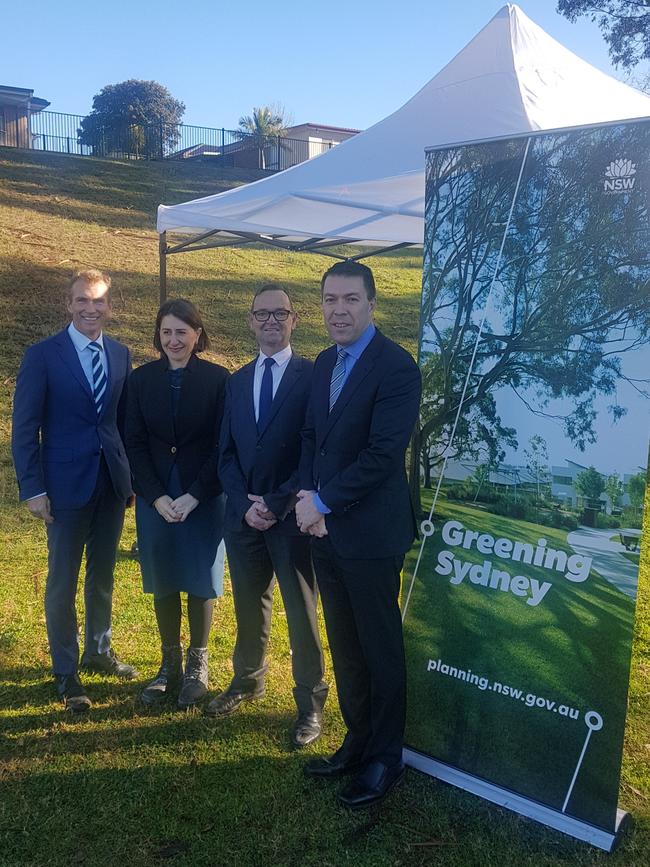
{"type": "Point", "coordinates": [264, 127]}
{"type": "Point", "coordinates": [132, 116]}
{"type": "Point", "coordinates": [636, 489]}
{"type": "Point", "coordinates": [267, 120]}
{"type": "Point", "coordinates": [590, 484]}
{"type": "Point", "coordinates": [625, 26]}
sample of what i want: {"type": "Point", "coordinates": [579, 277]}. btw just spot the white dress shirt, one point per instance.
{"type": "Point", "coordinates": [281, 359]}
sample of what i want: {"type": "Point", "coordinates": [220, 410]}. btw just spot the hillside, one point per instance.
{"type": "Point", "coordinates": [59, 214]}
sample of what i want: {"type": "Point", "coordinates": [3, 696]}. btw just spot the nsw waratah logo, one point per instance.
{"type": "Point", "coordinates": [619, 176]}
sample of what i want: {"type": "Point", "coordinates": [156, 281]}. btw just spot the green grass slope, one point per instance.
{"type": "Point", "coordinates": [129, 785]}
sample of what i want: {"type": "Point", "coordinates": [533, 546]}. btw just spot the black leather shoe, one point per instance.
{"type": "Point", "coordinates": [372, 785]}
{"type": "Point", "coordinates": [72, 693]}
{"type": "Point", "coordinates": [228, 702]}
{"type": "Point", "coordinates": [108, 663]}
{"type": "Point", "coordinates": [306, 729]}
{"type": "Point", "coordinates": [332, 767]}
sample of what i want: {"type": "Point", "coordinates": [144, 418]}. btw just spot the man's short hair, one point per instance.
{"type": "Point", "coordinates": [271, 287]}
{"type": "Point", "coordinates": [184, 310]}
{"type": "Point", "coordinates": [89, 276]}
{"type": "Point", "coordinates": [350, 268]}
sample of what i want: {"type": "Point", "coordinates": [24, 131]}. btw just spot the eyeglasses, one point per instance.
{"type": "Point", "coordinates": [265, 315]}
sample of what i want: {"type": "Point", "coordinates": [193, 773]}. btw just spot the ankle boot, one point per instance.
{"type": "Point", "coordinates": [168, 677]}
{"type": "Point", "coordinates": [195, 679]}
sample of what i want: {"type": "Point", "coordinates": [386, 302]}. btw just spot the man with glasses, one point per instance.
{"type": "Point", "coordinates": [259, 454]}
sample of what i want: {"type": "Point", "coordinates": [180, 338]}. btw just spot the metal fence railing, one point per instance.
{"type": "Point", "coordinates": [69, 134]}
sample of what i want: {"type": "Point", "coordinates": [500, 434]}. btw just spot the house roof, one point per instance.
{"type": "Point", "coordinates": [20, 96]}
{"type": "Point", "coordinates": [323, 126]}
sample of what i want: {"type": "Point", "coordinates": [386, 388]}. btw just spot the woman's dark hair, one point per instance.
{"type": "Point", "coordinates": [184, 310]}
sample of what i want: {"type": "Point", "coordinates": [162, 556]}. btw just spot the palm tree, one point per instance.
{"type": "Point", "coordinates": [266, 122]}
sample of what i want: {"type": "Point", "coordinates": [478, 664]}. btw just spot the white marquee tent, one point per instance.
{"type": "Point", "coordinates": [510, 79]}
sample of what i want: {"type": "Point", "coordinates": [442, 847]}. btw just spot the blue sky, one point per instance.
{"type": "Point", "coordinates": [341, 63]}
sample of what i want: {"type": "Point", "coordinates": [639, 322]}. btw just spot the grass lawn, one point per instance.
{"type": "Point", "coordinates": [572, 649]}
{"type": "Point", "coordinates": [127, 785]}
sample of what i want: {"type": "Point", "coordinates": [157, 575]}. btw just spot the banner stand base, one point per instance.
{"type": "Point", "coordinates": [517, 803]}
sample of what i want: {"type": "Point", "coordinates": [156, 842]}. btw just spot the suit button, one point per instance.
{"type": "Point", "coordinates": [323, 452]}
{"type": "Point", "coordinates": [259, 448]}
{"type": "Point", "coordinates": [173, 450]}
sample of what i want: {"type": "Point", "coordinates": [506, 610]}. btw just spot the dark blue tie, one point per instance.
{"type": "Point", "coordinates": [266, 393]}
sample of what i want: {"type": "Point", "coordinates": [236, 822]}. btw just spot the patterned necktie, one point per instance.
{"type": "Point", "coordinates": [266, 393]}
{"type": "Point", "coordinates": [99, 376]}
{"type": "Point", "coordinates": [338, 377]}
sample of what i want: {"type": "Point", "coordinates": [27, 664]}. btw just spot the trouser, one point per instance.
{"type": "Point", "coordinates": [254, 557]}
{"type": "Point", "coordinates": [364, 628]}
{"type": "Point", "coordinates": [97, 526]}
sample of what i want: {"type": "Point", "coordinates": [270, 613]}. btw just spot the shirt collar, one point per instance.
{"type": "Point", "coordinates": [80, 340]}
{"type": "Point", "coordinates": [355, 349]}
{"type": "Point", "coordinates": [280, 357]}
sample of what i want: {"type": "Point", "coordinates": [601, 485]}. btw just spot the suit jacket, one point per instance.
{"type": "Point", "coordinates": [354, 456]}
{"type": "Point", "coordinates": [57, 437]}
{"type": "Point", "coordinates": [155, 440]}
{"type": "Point", "coordinates": [264, 463]}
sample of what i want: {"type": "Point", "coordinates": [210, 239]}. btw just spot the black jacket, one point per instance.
{"type": "Point", "coordinates": [354, 456]}
{"type": "Point", "coordinates": [155, 440]}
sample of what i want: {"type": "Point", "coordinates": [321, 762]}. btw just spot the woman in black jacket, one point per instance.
{"type": "Point", "coordinates": [174, 412]}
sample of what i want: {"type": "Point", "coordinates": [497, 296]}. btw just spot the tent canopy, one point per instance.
{"type": "Point", "coordinates": [510, 79]}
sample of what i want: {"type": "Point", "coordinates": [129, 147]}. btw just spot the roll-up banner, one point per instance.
{"type": "Point", "coordinates": [519, 596]}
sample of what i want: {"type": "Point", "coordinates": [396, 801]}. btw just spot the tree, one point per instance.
{"type": "Point", "coordinates": [636, 490]}
{"type": "Point", "coordinates": [537, 462]}
{"type": "Point", "coordinates": [625, 26]}
{"type": "Point", "coordinates": [481, 476]}
{"type": "Point", "coordinates": [568, 301]}
{"type": "Point", "coordinates": [263, 128]}
{"type": "Point", "coordinates": [613, 489]}
{"type": "Point", "coordinates": [590, 484]}
{"type": "Point", "coordinates": [134, 117]}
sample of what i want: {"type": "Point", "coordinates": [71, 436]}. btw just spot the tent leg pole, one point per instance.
{"type": "Point", "coordinates": [162, 256]}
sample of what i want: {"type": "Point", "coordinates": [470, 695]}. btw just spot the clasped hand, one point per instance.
{"type": "Point", "coordinates": [259, 516]}
{"type": "Point", "coordinates": [309, 519]}
{"type": "Point", "coordinates": [174, 511]}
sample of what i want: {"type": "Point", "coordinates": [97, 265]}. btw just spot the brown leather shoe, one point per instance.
{"type": "Point", "coordinates": [108, 663]}
{"type": "Point", "coordinates": [72, 693]}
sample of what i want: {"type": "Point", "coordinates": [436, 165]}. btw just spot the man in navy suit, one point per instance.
{"type": "Point", "coordinates": [73, 474]}
{"type": "Point", "coordinates": [259, 454]}
{"type": "Point", "coordinates": [355, 502]}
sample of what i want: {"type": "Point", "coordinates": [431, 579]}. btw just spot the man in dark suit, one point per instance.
{"type": "Point", "coordinates": [259, 454]}
{"type": "Point", "coordinates": [355, 502]}
{"type": "Point", "coordinates": [73, 474]}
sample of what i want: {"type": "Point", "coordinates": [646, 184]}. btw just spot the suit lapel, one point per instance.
{"type": "Point", "coordinates": [68, 354]}
{"type": "Point", "coordinates": [248, 375]}
{"type": "Point", "coordinates": [113, 371]}
{"type": "Point", "coordinates": [358, 373]}
{"type": "Point", "coordinates": [289, 378]}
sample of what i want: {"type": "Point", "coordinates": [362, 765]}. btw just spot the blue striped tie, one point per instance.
{"type": "Point", "coordinates": [99, 376]}
{"type": "Point", "coordinates": [338, 377]}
